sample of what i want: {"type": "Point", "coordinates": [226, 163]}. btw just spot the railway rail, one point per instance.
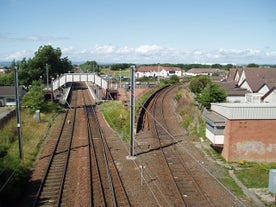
{"type": "Point", "coordinates": [108, 189]}
{"type": "Point", "coordinates": [185, 180]}
{"type": "Point", "coordinates": [101, 184]}
{"type": "Point", "coordinates": [52, 184]}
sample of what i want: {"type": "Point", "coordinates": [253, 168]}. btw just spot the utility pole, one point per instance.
{"type": "Point", "coordinates": [47, 77]}
{"type": "Point", "coordinates": [132, 112]}
{"type": "Point", "coordinates": [18, 114]}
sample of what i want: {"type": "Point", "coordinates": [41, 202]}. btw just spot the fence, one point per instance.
{"type": "Point", "coordinates": [6, 117]}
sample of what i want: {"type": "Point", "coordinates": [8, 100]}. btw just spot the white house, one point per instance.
{"type": "Point", "coordinates": [202, 71]}
{"type": "Point", "coordinates": [253, 85]}
{"type": "Point", "coordinates": [157, 71]}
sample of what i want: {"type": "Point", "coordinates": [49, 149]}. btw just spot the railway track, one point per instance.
{"type": "Point", "coordinates": [187, 190]}
{"type": "Point", "coordinates": [81, 170]}
{"type": "Point", "coordinates": [52, 184]}
{"type": "Point", "coordinates": [108, 189]}
{"type": "Point", "coordinates": [177, 172]}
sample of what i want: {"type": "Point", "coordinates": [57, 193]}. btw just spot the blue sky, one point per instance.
{"type": "Point", "coordinates": [141, 31]}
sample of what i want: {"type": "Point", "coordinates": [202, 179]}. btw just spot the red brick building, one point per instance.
{"type": "Point", "coordinates": [248, 132]}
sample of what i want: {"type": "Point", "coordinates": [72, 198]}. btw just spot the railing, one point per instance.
{"type": "Point", "coordinates": [79, 77]}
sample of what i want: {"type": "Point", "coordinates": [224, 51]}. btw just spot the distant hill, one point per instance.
{"type": "Point", "coordinates": [3, 64]}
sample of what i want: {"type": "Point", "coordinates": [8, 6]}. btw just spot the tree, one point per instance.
{"type": "Point", "coordinates": [212, 93]}
{"type": "Point", "coordinates": [35, 68]}
{"type": "Point", "coordinates": [198, 83]}
{"type": "Point", "coordinates": [34, 99]}
{"type": "Point", "coordinates": [252, 65]}
{"type": "Point", "coordinates": [90, 66]}
{"type": "Point", "coordinates": [6, 79]}
{"type": "Point", "coordinates": [174, 79]}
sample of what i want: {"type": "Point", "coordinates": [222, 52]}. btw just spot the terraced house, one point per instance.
{"type": "Point", "coordinates": [246, 130]}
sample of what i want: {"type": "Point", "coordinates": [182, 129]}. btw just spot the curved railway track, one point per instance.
{"type": "Point", "coordinates": [182, 176]}
{"type": "Point", "coordinates": [93, 179]}
{"type": "Point", "coordinates": [188, 190]}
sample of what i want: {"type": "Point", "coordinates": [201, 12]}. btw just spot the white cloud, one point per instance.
{"type": "Point", "coordinates": [19, 55]}
{"type": "Point", "coordinates": [148, 49]}
{"type": "Point", "coordinates": [157, 54]}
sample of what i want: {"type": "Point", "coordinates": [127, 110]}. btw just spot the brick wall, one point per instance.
{"type": "Point", "coordinates": [250, 140]}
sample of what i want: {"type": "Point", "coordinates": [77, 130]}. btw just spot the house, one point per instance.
{"type": "Point", "coordinates": [2, 70]}
{"type": "Point", "coordinates": [203, 71]}
{"type": "Point", "coordinates": [157, 71]}
{"type": "Point", "coordinates": [270, 96]}
{"type": "Point", "coordinates": [244, 131]}
{"type": "Point", "coordinates": [253, 78]}
{"type": "Point", "coordinates": [7, 95]}
{"type": "Point", "coordinates": [254, 84]}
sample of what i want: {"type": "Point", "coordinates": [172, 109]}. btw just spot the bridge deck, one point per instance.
{"type": "Point", "coordinates": [79, 77]}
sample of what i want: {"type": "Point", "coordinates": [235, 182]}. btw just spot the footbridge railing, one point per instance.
{"type": "Point", "coordinates": [79, 77]}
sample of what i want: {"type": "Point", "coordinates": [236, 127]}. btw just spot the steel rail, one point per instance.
{"type": "Point", "coordinates": [182, 163]}
{"type": "Point", "coordinates": [50, 162]}
{"type": "Point", "coordinates": [117, 193]}
{"type": "Point", "coordinates": [107, 153]}
{"type": "Point", "coordinates": [154, 108]}
{"type": "Point", "coordinates": [53, 155]}
{"type": "Point", "coordinates": [67, 160]}
{"type": "Point", "coordinates": [86, 109]}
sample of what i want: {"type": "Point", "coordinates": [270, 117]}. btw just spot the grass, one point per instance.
{"type": "Point", "coordinates": [116, 73]}
{"type": "Point", "coordinates": [254, 175]}
{"type": "Point", "coordinates": [15, 172]}
{"type": "Point", "coordinates": [230, 183]}
{"type": "Point", "coordinates": [117, 115]}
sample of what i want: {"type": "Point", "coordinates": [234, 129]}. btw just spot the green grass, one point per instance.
{"type": "Point", "coordinates": [230, 183]}
{"type": "Point", "coordinates": [254, 175]}
{"type": "Point", "coordinates": [33, 133]}
{"type": "Point", "coordinates": [117, 116]}
{"type": "Point", "coordinates": [116, 73]}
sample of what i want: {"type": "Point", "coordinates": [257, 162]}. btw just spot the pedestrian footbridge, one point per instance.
{"type": "Point", "coordinates": [79, 77]}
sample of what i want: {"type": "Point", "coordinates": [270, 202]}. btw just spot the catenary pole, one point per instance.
{"type": "Point", "coordinates": [18, 114]}
{"type": "Point", "coordinates": [132, 109]}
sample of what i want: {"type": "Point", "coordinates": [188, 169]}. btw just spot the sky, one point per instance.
{"type": "Point", "coordinates": [141, 31]}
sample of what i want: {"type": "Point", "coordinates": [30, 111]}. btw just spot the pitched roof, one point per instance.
{"type": "Point", "coordinates": [231, 88]}
{"type": "Point", "coordinates": [203, 70]}
{"type": "Point", "coordinates": [269, 92]}
{"type": "Point", "coordinates": [9, 90]}
{"type": "Point", "coordinates": [157, 68]}
{"type": "Point", "coordinates": [256, 77]}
